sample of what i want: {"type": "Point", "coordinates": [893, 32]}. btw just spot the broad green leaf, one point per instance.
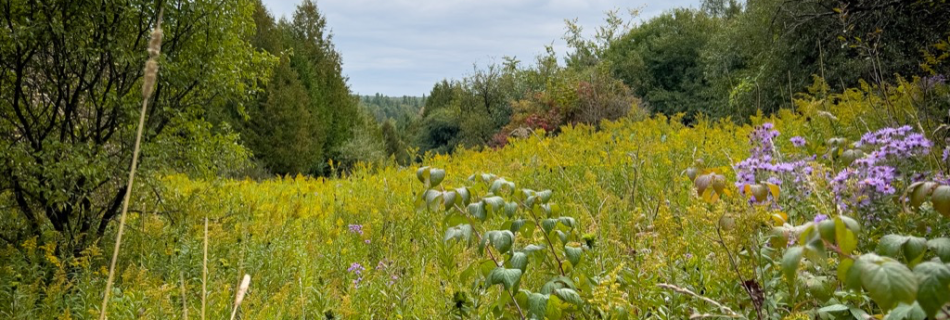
{"type": "Point", "coordinates": [516, 225]}
{"type": "Point", "coordinates": [518, 260]}
{"type": "Point", "coordinates": [548, 224]}
{"type": "Point", "coordinates": [843, 267]}
{"type": "Point", "coordinates": [422, 174]}
{"type": "Point", "coordinates": [545, 195]}
{"type": "Point", "coordinates": [567, 221]}
{"type": "Point", "coordinates": [537, 305]}
{"type": "Point", "coordinates": [906, 312]}
{"type": "Point", "coordinates": [532, 248]}
{"type": "Point", "coordinates": [553, 308]}
{"type": "Point", "coordinates": [459, 232]}
{"type": "Point", "coordinates": [507, 277]}
{"type": "Point", "coordinates": [569, 295]}
{"type": "Point", "coordinates": [890, 245]}
{"type": "Point", "coordinates": [851, 224]}
{"type": "Point", "coordinates": [887, 281]}
{"type": "Point", "coordinates": [435, 177]}
{"type": "Point", "coordinates": [820, 287]}
{"type": "Point", "coordinates": [464, 195]}
{"type": "Point", "coordinates": [433, 199]}
{"type": "Point", "coordinates": [450, 198]}
{"type": "Point", "coordinates": [511, 208]}
{"type": "Point", "coordinates": [914, 249]}
{"type": "Point", "coordinates": [790, 261]}
{"type": "Point", "coordinates": [941, 247]}
{"type": "Point", "coordinates": [844, 237]}
{"type": "Point", "coordinates": [477, 211]}
{"type": "Point", "coordinates": [557, 283]}
{"type": "Point", "coordinates": [501, 239]}
{"type": "Point", "coordinates": [934, 281]}
{"type": "Point", "coordinates": [573, 254]}
{"type": "Point", "coordinates": [494, 204]}
{"type": "Point", "coordinates": [827, 230]}
{"type": "Point", "coordinates": [833, 311]}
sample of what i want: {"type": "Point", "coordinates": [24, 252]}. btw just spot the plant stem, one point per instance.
{"type": "Point", "coordinates": [128, 194]}
{"type": "Point", "coordinates": [204, 272]}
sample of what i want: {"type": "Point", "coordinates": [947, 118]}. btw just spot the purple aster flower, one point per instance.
{"type": "Point", "coordinates": [356, 268]}
{"type": "Point", "coordinates": [820, 218]}
{"type": "Point", "coordinates": [946, 154]}
{"type": "Point", "coordinates": [356, 228]}
{"type": "Point", "coordinates": [798, 142]}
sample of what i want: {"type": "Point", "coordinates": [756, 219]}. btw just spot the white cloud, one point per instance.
{"type": "Point", "coordinates": [402, 47]}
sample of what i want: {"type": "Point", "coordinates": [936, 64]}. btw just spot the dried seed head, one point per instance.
{"type": "Point", "coordinates": [151, 73]}
{"type": "Point", "coordinates": [151, 66]}
{"type": "Point", "coordinates": [828, 115]}
{"type": "Point", "coordinates": [155, 44]}
{"type": "Point", "coordinates": [246, 283]}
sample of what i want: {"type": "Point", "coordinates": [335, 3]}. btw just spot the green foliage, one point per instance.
{"type": "Point", "coordinates": [306, 115]}
{"type": "Point", "coordinates": [660, 60]}
{"type": "Point", "coordinates": [71, 84]}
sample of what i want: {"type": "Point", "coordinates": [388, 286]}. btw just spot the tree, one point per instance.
{"type": "Point", "coordinates": [70, 79]}
{"type": "Point", "coordinates": [660, 60]}
{"type": "Point", "coordinates": [307, 113]}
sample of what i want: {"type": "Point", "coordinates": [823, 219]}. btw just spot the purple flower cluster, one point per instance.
{"type": "Point", "coordinates": [356, 228]}
{"type": "Point", "coordinates": [798, 142]}
{"type": "Point", "coordinates": [760, 161]}
{"type": "Point", "coordinates": [869, 175]}
{"type": "Point", "coordinates": [357, 269]}
{"type": "Point", "coordinates": [820, 218]}
{"type": "Point", "coordinates": [931, 81]}
{"type": "Point", "coordinates": [946, 154]}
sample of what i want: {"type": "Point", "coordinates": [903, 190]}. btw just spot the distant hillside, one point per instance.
{"type": "Point", "coordinates": [385, 107]}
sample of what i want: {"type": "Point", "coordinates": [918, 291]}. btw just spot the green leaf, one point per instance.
{"type": "Point", "coordinates": [516, 225]}
{"type": "Point", "coordinates": [934, 281]}
{"type": "Point", "coordinates": [553, 308]}
{"type": "Point", "coordinates": [890, 245]}
{"type": "Point", "coordinates": [532, 248]}
{"type": "Point", "coordinates": [567, 222]}
{"type": "Point", "coordinates": [914, 249]}
{"type": "Point", "coordinates": [844, 237]}
{"type": "Point", "coordinates": [906, 312]}
{"type": "Point", "coordinates": [501, 239]}
{"type": "Point", "coordinates": [459, 232]}
{"type": "Point", "coordinates": [545, 195]}
{"type": "Point", "coordinates": [477, 211]}
{"type": "Point", "coordinates": [464, 195]}
{"type": "Point", "coordinates": [449, 198]}
{"type": "Point", "coordinates": [494, 204]}
{"type": "Point", "coordinates": [548, 224]}
{"type": "Point", "coordinates": [851, 224]}
{"type": "Point", "coordinates": [518, 260]}
{"type": "Point", "coordinates": [557, 283]}
{"type": "Point", "coordinates": [511, 208]}
{"type": "Point", "coordinates": [941, 247]}
{"type": "Point", "coordinates": [537, 305]}
{"type": "Point", "coordinates": [833, 311]}
{"type": "Point", "coordinates": [569, 295]}
{"type": "Point", "coordinates": [507, 277]}
{"type": "Point", "coordinates": [422, 174]}
{"type": "Point", "coordinates": [886, 280]}
{"type": "Point", "coordinates": [573, 254]}
{"type": "Point", "coordinates": [790, 261]}
{"type": "Point", "coordinates": [433, 199]}
{"type": "Point", "coordinates": [435, 177]}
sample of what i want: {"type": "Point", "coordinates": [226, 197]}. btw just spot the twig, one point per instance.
{"type": "Point", "coordinates": [728, 311]}
{"type": "Point", "coordinates": [184, 297]}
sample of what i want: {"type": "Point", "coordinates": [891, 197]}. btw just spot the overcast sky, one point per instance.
{"type": "Point", "coordinates": [403, 47]}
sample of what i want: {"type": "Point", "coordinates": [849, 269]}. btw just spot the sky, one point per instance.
{"type": "Point", "coordinates": [403, 47]}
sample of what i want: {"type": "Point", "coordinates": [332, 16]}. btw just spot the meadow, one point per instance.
{"type": "Point", "coordinates": [369, 244]}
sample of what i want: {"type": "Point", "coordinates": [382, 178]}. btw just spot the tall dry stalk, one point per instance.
{"type": "Point", "coordinates": [148, 84]}
{"type": "Point", "coordinates": [204, 273]}
{"type": "Point", "coordinates": [184, 297]}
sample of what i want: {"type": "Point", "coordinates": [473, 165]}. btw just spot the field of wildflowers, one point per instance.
{"type": "Point", "coordinates": [834, 210]}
